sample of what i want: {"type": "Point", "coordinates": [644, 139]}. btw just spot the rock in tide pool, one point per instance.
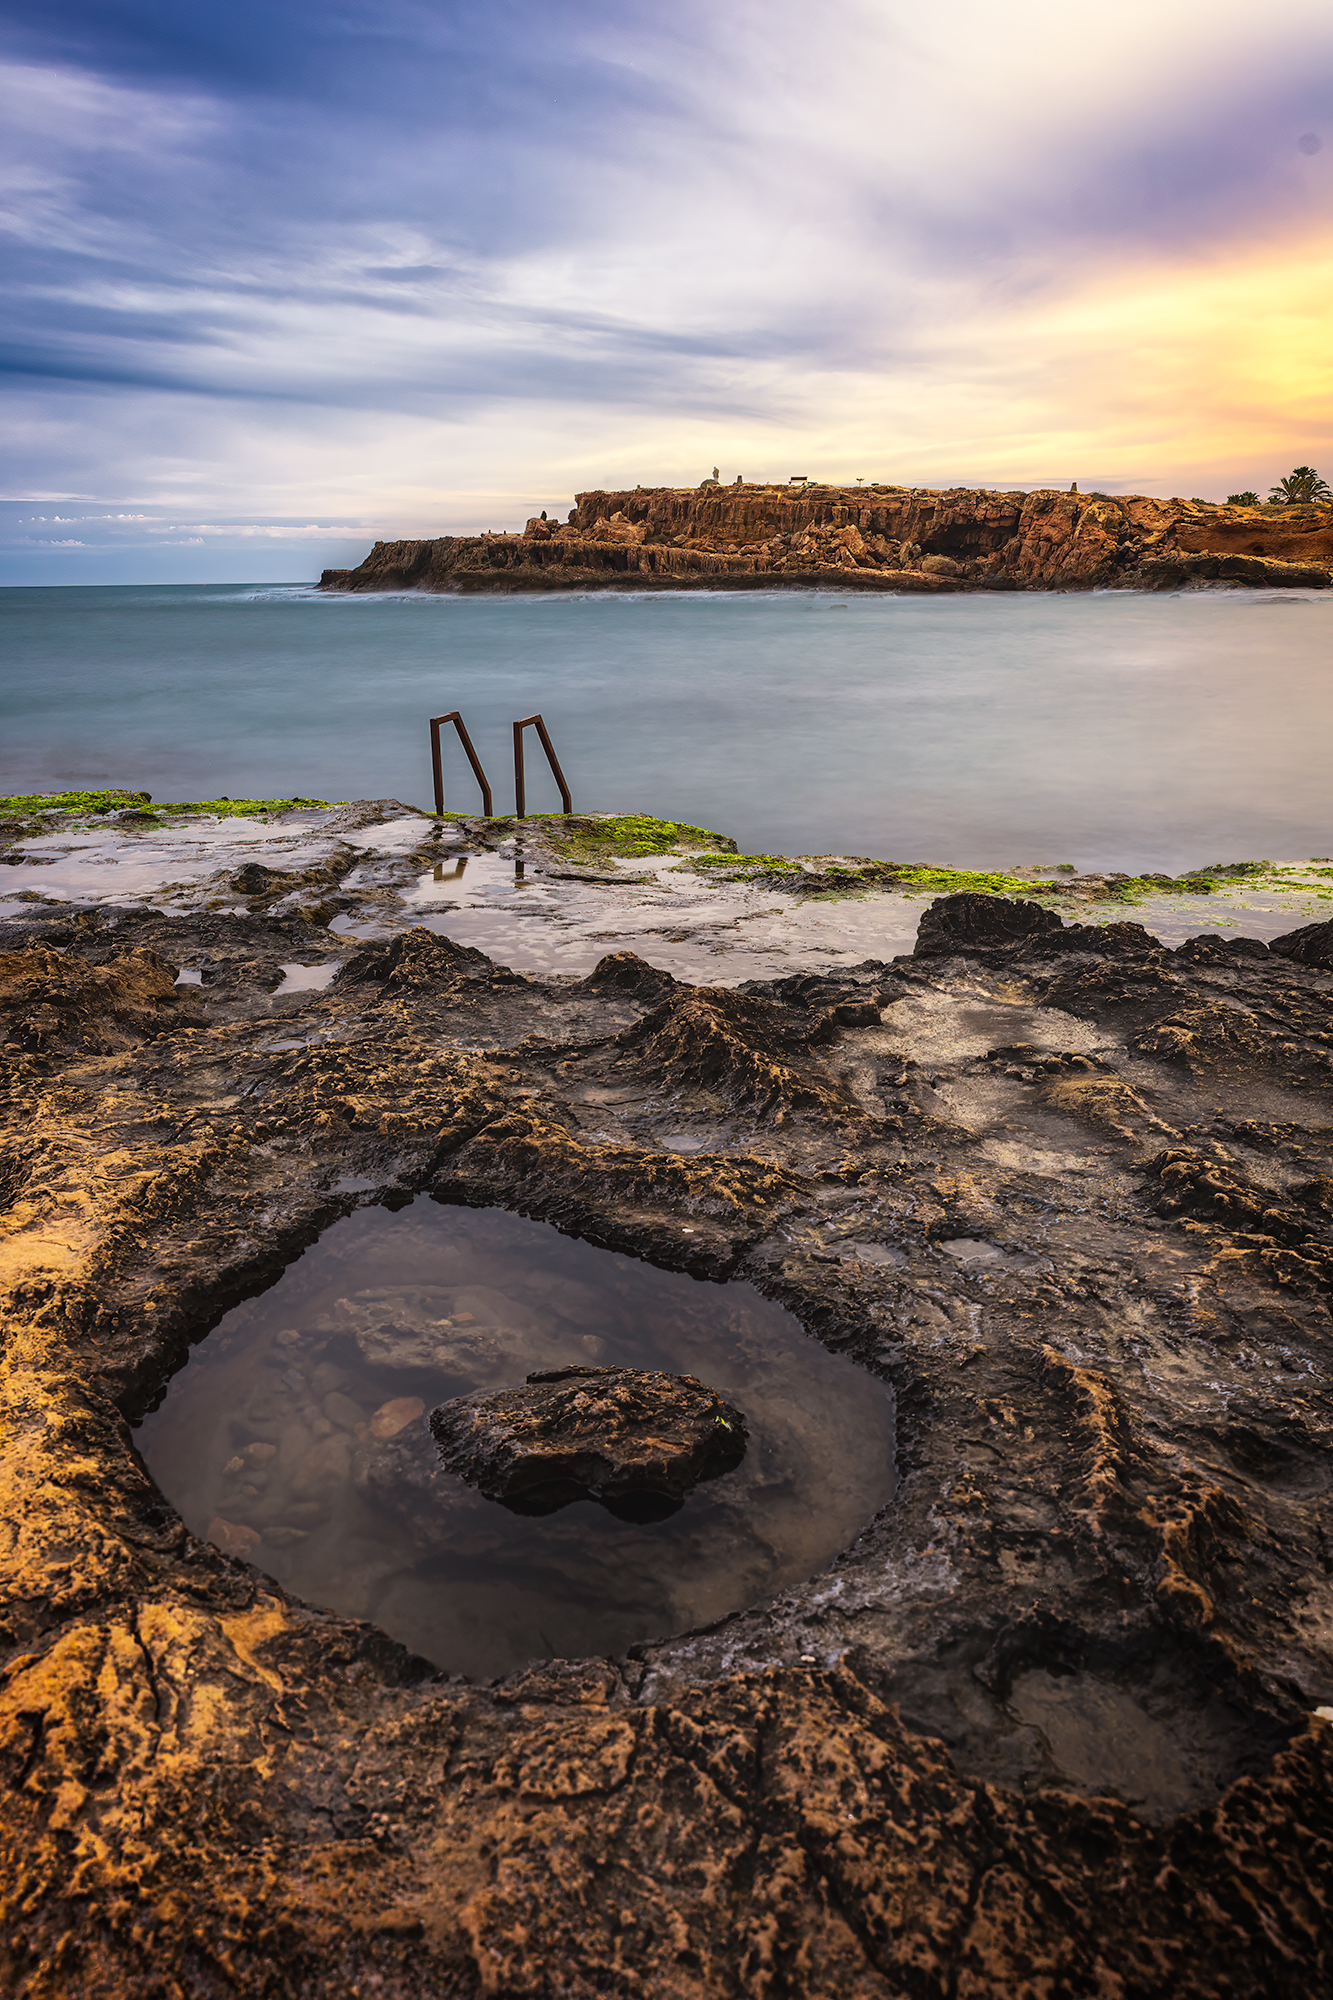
{"type": "Point", "coordinates": [635, 1440]}
{"type": "Point", "coordinates": [232, 1537]}
{"type": "Point", "coordinates": [395, 1416]}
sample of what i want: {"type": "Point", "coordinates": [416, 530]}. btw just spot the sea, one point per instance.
{"type": "Point", "coordinates": [1145, 732]}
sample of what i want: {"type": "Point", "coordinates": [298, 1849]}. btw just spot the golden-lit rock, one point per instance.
{"type": "Point", "coordinates": [869, 537]}
{"type": "Point", "coordinates": [395, 1416]}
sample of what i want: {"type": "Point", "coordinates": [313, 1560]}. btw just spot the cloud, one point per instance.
{"type": "Point", "coordinates": [292, 264]}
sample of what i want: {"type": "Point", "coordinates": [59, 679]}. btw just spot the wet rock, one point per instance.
{"type": "Point", "coordinates": [633, 1439]}
{"type": "Point", "coordinates": [1206, 1034]}
{"type": "Point", "coordinates": [395, 1416]}
{"type": "Point", "coordinates": [1118, 1477]}
{"type": "Point", "coordinates": [625, 972]}
{"type": "Point", "coordinates": [1318, 1195]}
{"type": "Point", "coordinates": [1209, 949]}
{"type": "Point", "coordinates": [13, 1174]}
{"type": "Point", "coordinates": [1111, 941]}
{"type": "Point", "coordinates": [1311, 945]}
{"type": "Point", "coordinates": [747, 1050]}
{"type": "Point", "coordinates": [1110, 986]}
{"type": "Point", "coordinates": [991, 925]}
{"type": "Point", "coordinates": [256, 880]}
{"type": "Point", "coordinates": [1212, 1190]}
{"type": "Point", "coordinates": [416, 961]}
{"type": "Point", "coordinates": [231, 1537]}
{"type": "Point", "coordinates": [972, 922]}
{"type": "Point", "coordinates": [341, 1410]}
{"type": "Point", "coordinates": [55, 1002]}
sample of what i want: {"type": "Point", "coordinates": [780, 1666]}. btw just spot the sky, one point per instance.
{"type": "Point", "coordinates": [281, 280]}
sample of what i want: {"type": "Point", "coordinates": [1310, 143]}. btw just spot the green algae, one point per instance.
{"type": "Point", "coordinates": [96, 805]}
{"type": "Point", "coordinates": [739, 866]}
{"type": "Point", "coordinates": [587, 839]}
{"type": "Point", "coordinates": [817, 875]}
{"type": "Point", "coordinates": [593, 837]}
{"type": "Point", "coordinates": [69, 802]}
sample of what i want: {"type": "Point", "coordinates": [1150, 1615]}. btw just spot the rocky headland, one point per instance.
{"type": "Point", "coordinates": [869, 538]}
{"type": "Point", "coordinates": [1059, 1721]}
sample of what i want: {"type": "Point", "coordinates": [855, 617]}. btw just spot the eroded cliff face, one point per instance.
{"type": "Point", "coordinates": [880, 538]}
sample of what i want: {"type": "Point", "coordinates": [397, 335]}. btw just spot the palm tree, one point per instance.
{"type": "Point", "coordinates": [1300, 488]}
{"type": "Point", "coordinates": [1247, 499]}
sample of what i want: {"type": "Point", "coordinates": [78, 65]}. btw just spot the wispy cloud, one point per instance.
{"type": "Point", "coordinates": [421, 265]}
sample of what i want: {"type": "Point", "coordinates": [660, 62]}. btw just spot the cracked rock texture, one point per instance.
{"type": "Point", "coordinates": [875, 537]}
{"type": "Point", "coordinates": [634, 1439]}
{"type": "Point", "coordinates": [1046, 1728]}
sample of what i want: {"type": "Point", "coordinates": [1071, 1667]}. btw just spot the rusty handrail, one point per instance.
{"type": "Point", "coordinates": [520, 792]}
{"type": "Point", "coordinates": [437, 768]}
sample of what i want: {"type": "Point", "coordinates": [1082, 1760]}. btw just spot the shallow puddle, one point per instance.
{"type": "Point", "coordinates": [297, 1436]}
{"type": "Point", "coordinates": [297, 978]}
{"type": "Point", "coordinates": [1102, 1740]}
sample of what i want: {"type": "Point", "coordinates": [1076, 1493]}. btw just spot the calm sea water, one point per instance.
{"type": "Point", "coordinates": [1106, 730]}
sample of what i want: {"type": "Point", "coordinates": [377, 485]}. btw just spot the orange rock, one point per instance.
{"type": "Point", "coordinates": [395, 1416]}
{"type": "Point", "coordinates": [1041, 540]}
{"type": "Point", "coordinates": [231, 1537]}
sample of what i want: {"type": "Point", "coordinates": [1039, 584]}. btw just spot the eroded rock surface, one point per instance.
{"type": "Point", "coordinates": [54, 1003]}
{"type": "Point", "coordinates": [1047, 1727]}
{"type": "Point", "coordinates": [1311, 945]}
{"type": "Point", "coordinates": [632, 1438]}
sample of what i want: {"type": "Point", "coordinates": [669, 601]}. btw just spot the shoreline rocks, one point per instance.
{"type": "Point", "coordinates": [1063, 1705]}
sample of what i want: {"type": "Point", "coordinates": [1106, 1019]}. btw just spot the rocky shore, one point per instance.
{"type": "Point", "coordinates": [869, 538]}
{"type": "Point", "coordinates": [1059, 1720]}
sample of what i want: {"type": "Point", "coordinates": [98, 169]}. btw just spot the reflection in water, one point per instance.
{"type": "Point", "coordinates": [443, 874]}
{"type": "Point", "coordinates": [297, 1436]}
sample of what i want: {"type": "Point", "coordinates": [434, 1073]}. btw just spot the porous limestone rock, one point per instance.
{"type": "Point", "coordinates": [1311, 945]}
{"type": "Point", "coordinates": [635, 1439]}
{"type": "Point", "coordinates": [54, 1002]}
{"type": "Point", "coordinates": [921, 1771]}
